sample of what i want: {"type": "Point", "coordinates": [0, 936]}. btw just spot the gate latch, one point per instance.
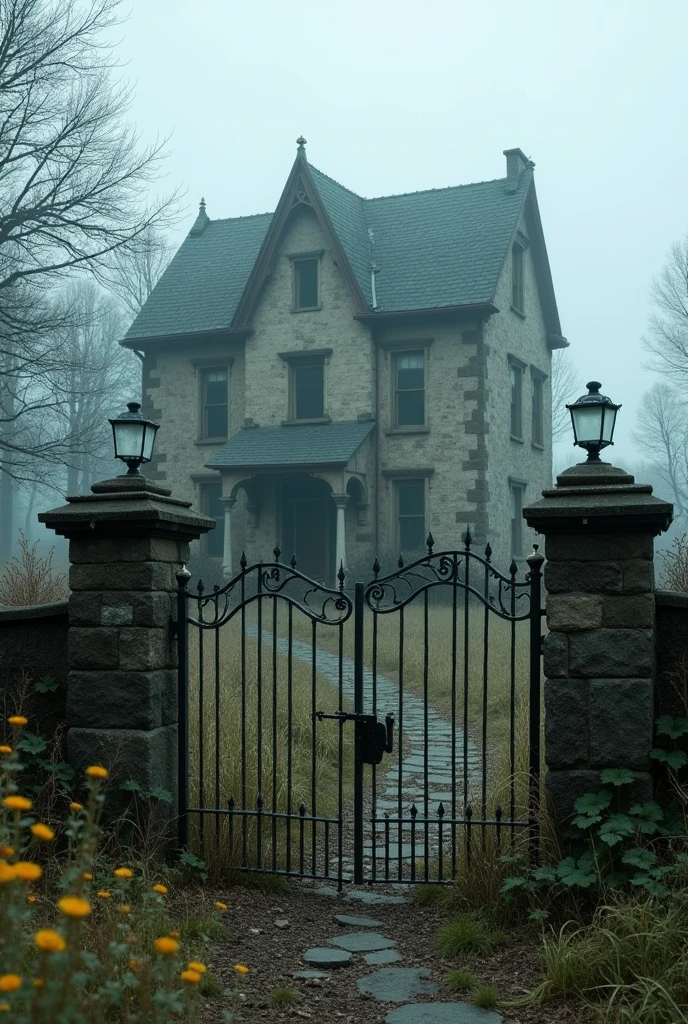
{"type": "Point", "coordinates": [373, 738]}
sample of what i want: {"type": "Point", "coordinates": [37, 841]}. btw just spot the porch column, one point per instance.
{"type": "Point", "coordinates": [340, 501]}
{"type": "Point", "coordinates": [228, 504]}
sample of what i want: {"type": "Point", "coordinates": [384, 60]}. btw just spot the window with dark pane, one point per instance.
{"type": "Point", "coordinates": [410, 389]}
{"type": "Point", "coordinates": [538, 410]}
{"type": "Point", "coordinates": [411, 514]}
{"type": "Point", "coordinates": [215, 405]}
{"type": "Point", "coordinates": [516, 502]}
{"type": "Point", "coordinates": [516, 400]}
{"type": "Point", "coordinates": [211, 505]}
{"type": "Point", "coordinates": [308, 388]}
{"type": "Point", "coordinates": [306, 284]}
{"type": "Point", "coordinates": [517, 278]}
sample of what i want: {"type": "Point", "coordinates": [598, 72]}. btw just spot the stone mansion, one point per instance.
{"type": "Point", "coordinates": [345, 375]}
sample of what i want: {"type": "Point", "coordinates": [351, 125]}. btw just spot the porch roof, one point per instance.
{"type": "Point", "coordinates": [309, 444]}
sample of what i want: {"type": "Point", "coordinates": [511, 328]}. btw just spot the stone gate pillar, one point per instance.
{"type": "Point", "coordinates": [127, 541]}
{"type": "Point", "coordinates": [599, 527]}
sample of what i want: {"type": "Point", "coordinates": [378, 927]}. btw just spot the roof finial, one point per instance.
{"type": "Point", "coordinates": [301, 142]}
{"type": "Point", "coordinates": [201, 205]}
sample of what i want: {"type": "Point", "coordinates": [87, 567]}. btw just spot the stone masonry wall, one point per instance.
{"type": "Point", "coordinates": [598, 661]}
{"type": "Point", "coordinates": [506, 334]}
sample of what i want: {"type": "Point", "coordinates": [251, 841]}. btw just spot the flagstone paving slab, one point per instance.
{"type": "Point", "coordinates": [442, 1013]}
{"type": "Point", "coordinates": [324, 957]}
{"type": "Point", "coordinates": [351, 921]}
{"type": "Point", "coordinates": [371, 897]}
{"type": "Point", "coordinates": [311, 975]}
{"type": "Point", "coordinates": [397, 984]}
{"type": "Point", "coordinates": [362, 942]}
{"type": "Point", "coordinates": [382, 956]}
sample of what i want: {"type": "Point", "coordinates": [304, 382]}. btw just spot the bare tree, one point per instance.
{"type": "Point", "coordinates": [75, 181]}
{"type": "Point", "coordinates": [667, 335]}
{"type": "Point", "coordinates": [132, 276]}
{"type": "Point", "coordinates": [662, 435]}
{"type": "Point", "coordinates": [566, 387]}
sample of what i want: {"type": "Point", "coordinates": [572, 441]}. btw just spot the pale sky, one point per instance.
{"type": "Point", "coordinates": [399, 96]}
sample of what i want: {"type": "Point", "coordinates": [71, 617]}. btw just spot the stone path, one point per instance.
{"type": "Point", "coordinates": [410, 769]}
{"type": "Point", "coordinates": [401, 985]}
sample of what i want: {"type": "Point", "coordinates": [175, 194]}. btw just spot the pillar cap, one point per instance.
{"type": "Point", "coordinates": [602, 497]}
{"type": "Point", "coordinates": [127, 506]}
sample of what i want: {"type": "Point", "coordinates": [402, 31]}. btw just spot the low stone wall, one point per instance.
{"type": "Point", "coordinates": [33, 644]}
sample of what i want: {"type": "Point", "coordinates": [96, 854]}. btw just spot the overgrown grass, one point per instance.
{"type": "Point", "coordinates": [486, 997]}
{"type": "Point", "coordinates": [460, 981]}
{"type": "Point", "coordinates": [465, 934]}
{"type": "Point", "coordinates": [284, 997]}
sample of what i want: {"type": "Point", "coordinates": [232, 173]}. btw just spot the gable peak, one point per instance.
{"type": "Point", "coordinates": [202, 220]}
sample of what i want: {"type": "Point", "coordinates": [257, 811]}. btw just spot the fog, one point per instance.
{"type": "Point", "coordinates": [395, 97]}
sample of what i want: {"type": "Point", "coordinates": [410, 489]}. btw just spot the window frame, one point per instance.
{"type": "Point", "coordinates": [294, 366]}
{"type": "Point", "coordinates": [516, 366]}
{"type": "Point", "coordinates": [538, 380]}
{"type": "Point", "coordinates": [218, 534]}
{"type": "Point", "coordinates": [305, 257]}
{"type": "Point", "coordinates": [398, 481]}
{"type": "Point", "coordinates": [396, 355]}
{"type": "Point", "coordinates": [518, 278]}
{"type": "Point", "coordinates": [203, 372]}
{"type": "Point", "coordinates": [516, 487]}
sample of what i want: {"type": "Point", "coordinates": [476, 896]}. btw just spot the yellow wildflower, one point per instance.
{"type": "Point", "coordinates": [241, 969]}
{"type": "Point", "coordinates": [49, 941]}
{"type": "Point", "coordinates": [173, 935]}
{"type": "Point", "coordinates": [220, 905]}
{"type": "Point", "coordinates": [74, 906]}
{"type": "Point", "coordinates": [199, 968]}
{"type": "Point", "coordinates": [27, 870]}
{"type": "Point", "coordinates": [38, 983]}
{"type": "Point", "coordinates": [162, 889]}
{"type": "Point", "coordinates": [7, 872]}
{"type": "Point", "coordinates": [96, 771]}
{"type": "Point", "coordinates": [75, 807]}
{"type": "Point", "coordinates": [31, 898]}
{"type": "Point", "coordinates": [166, 945]}
{"type": "Point", "coordinates": [6, 851]}
{"type": "Point", "coordinates": [18, 720]}
{"type": "Point", "coordinates": [41, 831]}
{"type": "Point", "coordinates": [104, 894]}
{"type": "Point", "coordinates": [190, 977]}
{"type": "Point", "coordinates": [134, 965]}
{"type": "Point", "coordinates": [17, 803]}
{"type": "Point", "coordinates": [10, 982]}
{"type": "Point", "coordinates": [88, 876]}
{"type": "Point", "coordinates": [4, 749]}
{"type": "Point", "coordinates": [125, 909]}
{"type": "Point", "coordinates": [123, 872]}
{"type": "Point", "coordinates": [4, 1006]}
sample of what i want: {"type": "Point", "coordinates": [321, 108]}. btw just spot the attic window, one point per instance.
{"type": "Point", "coordinates": [306, 284]}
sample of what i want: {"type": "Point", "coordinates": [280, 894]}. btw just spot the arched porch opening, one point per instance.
{"type": "Point", "coordinates": [308, 525]}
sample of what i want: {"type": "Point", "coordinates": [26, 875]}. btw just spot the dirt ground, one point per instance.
{"type": "Point", "coordinates": [272, 954]}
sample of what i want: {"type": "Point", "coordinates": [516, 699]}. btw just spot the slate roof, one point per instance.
{"type": "Point", "coordinates": [307, 445]}
{"type": "Point", "coordinates": [444, 247]}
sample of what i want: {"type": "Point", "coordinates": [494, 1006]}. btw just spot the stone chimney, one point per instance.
{"type": "Point", "coordinates": [516, 161]}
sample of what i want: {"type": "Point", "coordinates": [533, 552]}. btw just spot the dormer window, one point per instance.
{"type": "Point", "coordinates": [306, 283]}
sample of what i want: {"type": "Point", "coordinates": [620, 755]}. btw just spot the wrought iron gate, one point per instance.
{"type": "Point", "coordinates": [327, 737]}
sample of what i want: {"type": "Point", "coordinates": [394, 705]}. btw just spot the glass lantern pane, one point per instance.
{"type": "Point", "coordinates": [148, 442]}
{"type": "Point", "coordinates": [128, 439]}
{"type": "Point", "coordinates": [608, 425]}
{"type": "Point", "coordinates": [588, 422]}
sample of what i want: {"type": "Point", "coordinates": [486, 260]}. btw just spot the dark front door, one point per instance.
{"type": "Point", "coordinates": [308, 526]}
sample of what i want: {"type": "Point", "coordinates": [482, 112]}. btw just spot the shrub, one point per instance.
{"type": "Point", "coordinates": [82, 939]}
{"type": "Point", "coordinates": [30, 579]}
{"type": "Point", "coordinates": [674, 565]}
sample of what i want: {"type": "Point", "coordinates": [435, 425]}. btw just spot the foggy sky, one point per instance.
{"type": "Point", "coordinates": [399, 96]}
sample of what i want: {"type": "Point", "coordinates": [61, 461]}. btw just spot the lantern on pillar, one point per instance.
{"type": "Point", "coordinates": [134, 437]}
{"type": "Point", "coordinates": [593, 417]}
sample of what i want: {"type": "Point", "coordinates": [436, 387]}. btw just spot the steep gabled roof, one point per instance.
{"type": "Point", "coordinates": [442, 248]}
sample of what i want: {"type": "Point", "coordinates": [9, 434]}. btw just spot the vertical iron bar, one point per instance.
{"type": "Point", "coordinates": [230, 807]}
{"type": "Point", "coordinates": [259, 692]}
{"type": "Point", "coordinates": [217, 733]}
{"type": "Point", "coordinates": [498, 819]}
{"type": "Point", "coordinates": [244, 807]}
{"type": "Point", "coordinates": [400, 734]}
{"type": "Point", "coordinates": [535, 565]}
{"type": "Point", "coordinates": [340, 762]}
{"type": "Point", "coordinates": [466, 634]}
{"type": "Point", "coordinates": [327, 849]}
{"type": "Point", "coordinates": [314, 752]}
{"type": "Point", "coordinates": [373, 813]}
{"type": "Point", "coordinates": [455, 578]}
{"type": "Point", "coordinates": [469, 837]}
{"type": "Point", "coordinates": [414, 812]}
{"type": "Point", "coordinates": [358, 762]}
{"type": "Point", "coordinates": [201, 738]}
{"type": "Point", "coordinates": [274, 733]}
{"type": "Point", "coordinates": [426, 736]}
{"type": "Point", "coordinates": [512, 715]}
{"type": "Point", "coordinates": [486, 642]}
{"type": "Point", "coordinates": [386, 847]}
{"type": "Point", "coordinates": [183, 709]}
{"type": "Point", "coordinates": [440, 841]}
{"type": "Point", "coordinates": [290, 723]}
{"type": "Point", "coordinates": [302, 824]}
